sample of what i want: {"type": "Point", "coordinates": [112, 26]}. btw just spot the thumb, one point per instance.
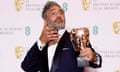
{"type": "Point", "coordinates": [45, 23]}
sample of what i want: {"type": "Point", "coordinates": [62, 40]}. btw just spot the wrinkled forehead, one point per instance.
{"type": "Point", "coordinates": [55, 8]}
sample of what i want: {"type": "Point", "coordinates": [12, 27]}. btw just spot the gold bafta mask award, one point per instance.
{"type": "Point", "coordinates": [80, 38]}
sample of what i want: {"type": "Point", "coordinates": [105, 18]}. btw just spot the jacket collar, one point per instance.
{"type": "Point", "coordinates": [58, 53]}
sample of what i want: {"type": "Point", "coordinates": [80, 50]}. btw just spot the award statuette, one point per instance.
{"type": "Point", "coordinates": [80, 38]}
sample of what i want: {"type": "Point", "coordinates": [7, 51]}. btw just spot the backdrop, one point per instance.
{"type": "Point", "coordinates": [21, 25]}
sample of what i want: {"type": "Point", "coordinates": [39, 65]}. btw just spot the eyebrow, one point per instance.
{"type": "Point", "coordinates": [55, 9]}
{"type": "Point", "coordinates": [52, 10]}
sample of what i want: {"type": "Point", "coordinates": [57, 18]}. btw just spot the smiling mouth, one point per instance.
{"type": "Point", "coordinates": [58, 20]}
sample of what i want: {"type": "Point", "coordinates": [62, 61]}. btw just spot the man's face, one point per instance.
{"type": "Point", "coordinates": [55, 17]}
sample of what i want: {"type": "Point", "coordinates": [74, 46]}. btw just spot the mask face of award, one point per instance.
{"type": "Point", "coordinates": [80, 38]}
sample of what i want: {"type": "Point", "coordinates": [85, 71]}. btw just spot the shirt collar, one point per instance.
{"type": "Point", "coordinates": [61, 32]}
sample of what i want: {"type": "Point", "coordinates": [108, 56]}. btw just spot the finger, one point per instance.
{"type": "Point", "coordinates": [52, 32]}
{"type": "Point", "coordinates": [45, 23]}
{"type": "Point", "coordinates": [83, 51]}
{"type": "Point", "coordinates": [85, 57]}
{"type": "Point", "coordinates": [53, 37]}
{"type": "Point", "coordinates": [88, 58]}
{"type": "Point", "coordinates": [45, 28]}
{"type": "Point", "coordinates": [83, 54]}
{"type": "Point", "coordinates": [86, 50]}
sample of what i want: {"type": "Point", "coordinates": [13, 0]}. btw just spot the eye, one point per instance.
{"type": "Point", "coordinates": [61, 12]}
{"type": "Point", "coordinates": [53, 13]}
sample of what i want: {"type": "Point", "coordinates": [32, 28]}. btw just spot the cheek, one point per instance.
{"type": "Point", "coordinates": [52, 18]}
{"type": "Point", "coordinates": [63, 17]}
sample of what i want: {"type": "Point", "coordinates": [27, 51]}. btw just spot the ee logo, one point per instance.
{"type": "Point", "coordinates": [65, 6]}
{"type": "Point", "coordinates": [95, 30]}
{"type": "Point", "coordinates": [27, 30]}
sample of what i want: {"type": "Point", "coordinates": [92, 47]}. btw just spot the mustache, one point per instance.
{"type": "Point", "coordinates": [59, 18]}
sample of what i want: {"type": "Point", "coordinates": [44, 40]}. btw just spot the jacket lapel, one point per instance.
{"type": "Point", "coordinates": [58, 53]}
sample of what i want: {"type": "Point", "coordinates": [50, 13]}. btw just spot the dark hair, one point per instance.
{"type": "Point", "coordinates": [47, 6]}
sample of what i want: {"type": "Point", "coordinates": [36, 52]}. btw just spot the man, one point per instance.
{"type": "Point", "coordinates": [53, 51]}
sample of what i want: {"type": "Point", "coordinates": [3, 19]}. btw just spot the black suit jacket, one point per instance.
{"type": "Point", "coordinates": [64, 59]}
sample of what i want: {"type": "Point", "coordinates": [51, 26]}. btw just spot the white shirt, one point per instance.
{"type": "Point", "coordinates": [51, 49]}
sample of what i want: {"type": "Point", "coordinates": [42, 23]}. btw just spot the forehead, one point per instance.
{"type": "Point", "coordinates": [55, 8]}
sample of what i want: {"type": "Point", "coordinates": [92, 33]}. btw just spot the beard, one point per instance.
{"type": "Point", "coordinates": [57, 24]}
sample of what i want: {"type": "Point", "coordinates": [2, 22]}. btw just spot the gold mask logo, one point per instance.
{"type": "Point", "coordinates": [19, 52]}
{"type": "Point", "coordinates": [19, 4]}
{"type": "Point", "coordinates": [117, 71]}
{"type": "Point", "coordinates": [86, 4]}
{"type": "Point", "coordinates": [116, 27]}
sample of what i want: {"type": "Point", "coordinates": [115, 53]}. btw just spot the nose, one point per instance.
{"type": "Point", "coordinates": [59, 15]}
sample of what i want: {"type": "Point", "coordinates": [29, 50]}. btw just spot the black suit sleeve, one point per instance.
{"type": "Point", "coordinates": [35, 60]}
{"type": "Point", "coordinates": [82, 63]}
{"type": "Point", "coordinates": [93, 64]}
{"type": "Point", "coordinates": [31, 60]}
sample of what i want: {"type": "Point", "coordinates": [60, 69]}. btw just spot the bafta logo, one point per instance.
{"type": "Point", "coordinates": [86, 4]}
{"type": "Point", "coordinates": [117, 71]}
{"type": "Point", "coordinates": [19, 5]}
{"type": "Point", "coordinates": [19, 51]}
{"type": "Point", "coordinates": [116, 27]}
{"type": "Point", "coordinates": [80, 41]}
{"type": "Point", "coordinates": [80, 38]}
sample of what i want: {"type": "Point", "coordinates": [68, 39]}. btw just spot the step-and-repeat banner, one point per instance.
{"type": "Point", "coordinates": [21, 25]}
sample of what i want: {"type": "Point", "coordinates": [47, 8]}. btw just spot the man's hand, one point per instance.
{"type": "Point", "coordinates": [49, 34]}
{"type": "Point", "coordinates": [91, 56]}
